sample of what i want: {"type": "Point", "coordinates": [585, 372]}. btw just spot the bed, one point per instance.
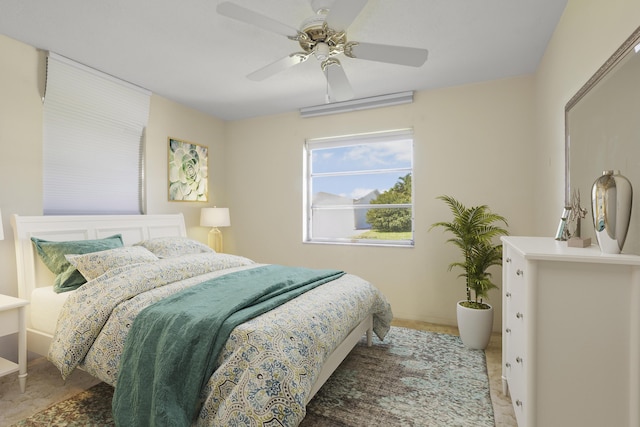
{"type": "Point", "coordinates": [267, 370]}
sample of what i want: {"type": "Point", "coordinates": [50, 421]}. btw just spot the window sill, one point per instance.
{"type": "Point", "coordinates": [384, 245]}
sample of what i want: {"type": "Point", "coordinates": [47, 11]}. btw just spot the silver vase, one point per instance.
{"type": "Point", "coordinates": [611, 197]}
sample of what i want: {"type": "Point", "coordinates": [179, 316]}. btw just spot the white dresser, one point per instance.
{"type": "Point", "coordinates": [571, 334]}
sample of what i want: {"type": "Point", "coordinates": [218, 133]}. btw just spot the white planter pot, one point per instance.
{"type": "Point", "coordinates": [475, 326]}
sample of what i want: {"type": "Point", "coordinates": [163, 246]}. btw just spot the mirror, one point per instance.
{"type": "Point", "coordinates": [602, 125]}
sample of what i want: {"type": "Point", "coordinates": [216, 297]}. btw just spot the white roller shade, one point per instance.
{"type": "Point", "coordinates": [92, 145]}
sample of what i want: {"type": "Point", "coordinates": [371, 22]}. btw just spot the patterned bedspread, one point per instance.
{"type": "Point", "coordinates": [268, 365]}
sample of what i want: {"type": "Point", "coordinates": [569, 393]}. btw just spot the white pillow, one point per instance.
{"type": "Point", "coordinates": [95, 264]}
{"type": "Point", "coordinates": [170, 247]}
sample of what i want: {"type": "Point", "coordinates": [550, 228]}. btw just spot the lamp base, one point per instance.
{"type": "Point", "coordinates": [215, 239]}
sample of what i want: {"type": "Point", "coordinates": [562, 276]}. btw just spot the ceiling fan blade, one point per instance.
{"type": "Point", "coordinates": [338, 81]}
{"type": "Point", "coordinates": [401, 55]}
{"type": "Point", "coordinates": [278, 66]}
{"type": "Point", "coordinates": [233, 11]}
{"type": "Point", "coordinates": [343, 12]}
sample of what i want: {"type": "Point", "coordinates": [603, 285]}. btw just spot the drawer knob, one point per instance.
{"type": "Point", "coordinates": [508, 294]}
{"type": "Point", "coordinates": [508, 365]}
{"type": "Point", "coordinates": [508, 330]}
{"type": "Point", "coordinates": [508, 259]}
{"type": "Point", "coordinates": [519, 272]}
{"type": "Point", "coordinates": [519, 359]}
{"type": "Point", "coordinates": [519, 315]}
{"type": "Point", "coordinates": [518, 402]}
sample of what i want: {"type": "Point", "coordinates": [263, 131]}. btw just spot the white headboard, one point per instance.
{"type": "Point", "coordinates": [33, 273]}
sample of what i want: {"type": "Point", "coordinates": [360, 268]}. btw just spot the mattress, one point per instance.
{"type": "Point", "coordinates": [45, 308]}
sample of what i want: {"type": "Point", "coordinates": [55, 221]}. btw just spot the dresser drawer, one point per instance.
{"type": "Point", "coordinates": [517, 390]}
{"type": "Point", "coordinates": [515, 331]}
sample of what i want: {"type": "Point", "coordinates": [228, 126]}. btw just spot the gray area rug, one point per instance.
{"type": "Point", "coordinates": [412, 378]}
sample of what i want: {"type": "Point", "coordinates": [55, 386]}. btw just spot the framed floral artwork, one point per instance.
{"type": "Point", "coordinates": [188, 171]}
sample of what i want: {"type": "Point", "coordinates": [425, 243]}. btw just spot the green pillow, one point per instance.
{"type": "Point", "coordinates": [53, 255]}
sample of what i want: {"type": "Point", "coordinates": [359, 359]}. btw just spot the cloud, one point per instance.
{"type": "Point", "coordinates": [375, 155]}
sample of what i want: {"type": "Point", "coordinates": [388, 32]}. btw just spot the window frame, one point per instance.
{"type": "Point", "coordinates": [344, 141]}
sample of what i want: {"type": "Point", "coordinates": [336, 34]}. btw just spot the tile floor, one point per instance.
{"type": "Point", "coordinates": [45, 387]}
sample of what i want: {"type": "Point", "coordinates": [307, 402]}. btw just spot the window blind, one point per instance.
{"type": "Point", "coordinates": [357, 139]}
{"type": "Point", "coordinates": [93, 128]}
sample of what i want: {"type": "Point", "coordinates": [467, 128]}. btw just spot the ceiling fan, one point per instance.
{"type": "Point", "coordinates": [323, 35]}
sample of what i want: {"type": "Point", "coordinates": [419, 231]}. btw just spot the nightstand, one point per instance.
{"type": "Point", "coordinates": [12, 320]}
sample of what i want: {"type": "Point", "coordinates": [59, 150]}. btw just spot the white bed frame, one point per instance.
{"type": "Point", "coordinates": [32, 273]}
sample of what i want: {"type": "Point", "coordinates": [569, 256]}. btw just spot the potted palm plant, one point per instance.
{"type": "Point", "coordinates": [474, 230]}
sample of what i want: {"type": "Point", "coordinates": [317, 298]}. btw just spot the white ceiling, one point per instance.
{"type": "Point", "coordinates": [184, 51]}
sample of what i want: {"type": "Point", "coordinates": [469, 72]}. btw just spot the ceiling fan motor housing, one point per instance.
{"type": "Point", "coordinates": [317, 37]}
{"type": "Point", "coordinates": [312, 26]}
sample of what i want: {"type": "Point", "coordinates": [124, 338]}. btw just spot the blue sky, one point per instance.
{"type": "Point", "coordinates": [376, 157]}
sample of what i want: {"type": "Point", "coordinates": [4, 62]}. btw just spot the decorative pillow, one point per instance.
{"type": "Point", "coordinates": [169, 247]}
{"type": "Point", "coordinates": [95, 264]}
{"type": "Point", "coordinates": [53, 255]}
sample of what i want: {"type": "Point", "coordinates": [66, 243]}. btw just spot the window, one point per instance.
{"type": "Point", "coordinates": [359, 189]}
{"type": "Point", "coordinates": [92, 144]}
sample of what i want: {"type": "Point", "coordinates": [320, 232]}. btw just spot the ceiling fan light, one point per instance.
{"type": "Point", "coordinates": [322, 51]}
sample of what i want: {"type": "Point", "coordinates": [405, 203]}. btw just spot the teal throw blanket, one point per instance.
{"type": "Point", "coordinates": [173, 345]}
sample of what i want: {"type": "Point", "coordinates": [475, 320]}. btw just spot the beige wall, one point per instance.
{"type": "Point", "coordinates": [500, 143]}
{"type": "Point", "coordinates": [20, 139]}
{"type": "Point", "coordinates": [169, 119]}
{"type": "Point", "coordinates": [587, 34]}
{"type": "Point", "coordinates": [21, 76]}
{"type": "Point", "coordinates": [472, 142]}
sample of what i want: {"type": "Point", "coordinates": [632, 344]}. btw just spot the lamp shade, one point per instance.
{"type": "Point", "coordinates": [215, 217]}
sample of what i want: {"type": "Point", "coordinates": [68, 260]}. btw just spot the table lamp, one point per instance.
{"type": "Point", "coordinates": [215, 217]}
